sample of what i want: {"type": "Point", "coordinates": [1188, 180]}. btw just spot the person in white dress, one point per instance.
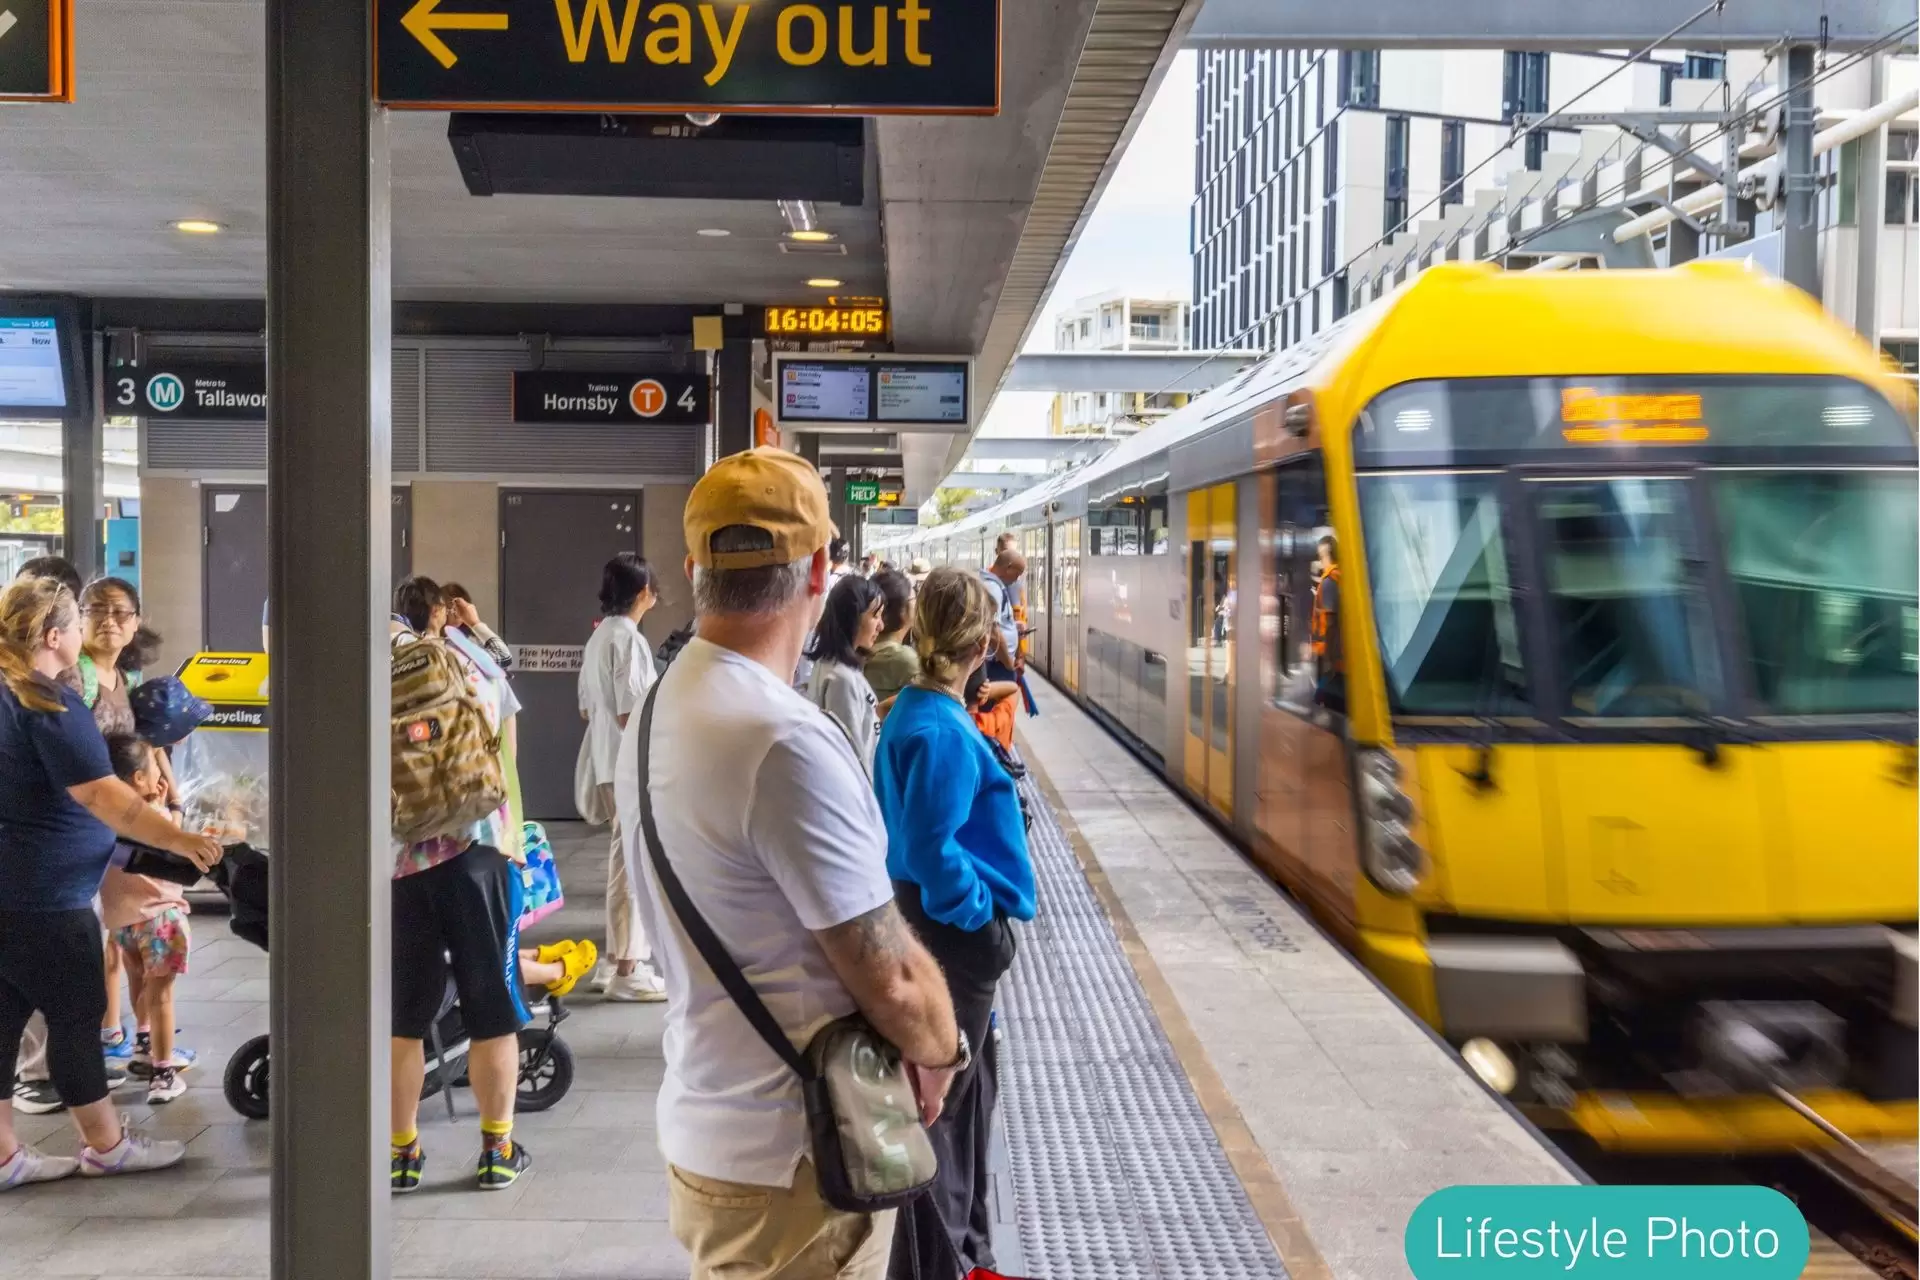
{"type": "Point", "coordinates": [615, 673]}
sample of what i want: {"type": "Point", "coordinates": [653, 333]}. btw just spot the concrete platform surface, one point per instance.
{"type": "Point", "coordinates": [1340, 1111]}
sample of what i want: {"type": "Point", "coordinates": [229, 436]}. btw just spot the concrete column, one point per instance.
{"type": "Point", "coordinates": [1870, 212]}
{"type": "Point", "coordinates": [1799, 232]}
{"type": "Point", "coordinates": [82, 429]}
{"type": "Point", "coordinates": [736, 386]}
{"type": "Point", "coordinates": [329, 339]}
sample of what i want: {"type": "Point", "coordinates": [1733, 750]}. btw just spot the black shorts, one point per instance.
{"type": "Point", "coordinates": [461, 917]}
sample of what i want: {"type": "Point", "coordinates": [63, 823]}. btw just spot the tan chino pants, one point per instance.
{"type": "Point", "coordinates": [736, 1231]}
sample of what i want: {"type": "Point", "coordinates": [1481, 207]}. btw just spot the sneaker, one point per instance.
{"type": "Point", "coordinates": [642, 986]}
{"type": "Point", "coordinates": [116, 1076]}
{"type": "Point", "coordinates": [501, 1167]}
{"type": "Point", "coordinates": [603, 975]}
{"type": "Point", "coordinates": [116, 1044]}
{"type": "Point", "coordinates": [37, 1098]}
{"type": "Point", "coordinates": [28, 1165]}
{"type": "Point", "coordinates": [409, 1164]}
{"type": "Point", "coordinates": [142, 1065]}
{"type": "Point", "coordinates": [135, 1153]}
{"type": "Point", "coordinates": [165, 1086]}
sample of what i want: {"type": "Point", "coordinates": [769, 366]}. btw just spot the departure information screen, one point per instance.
{"type": "Point", "coordinates": [818, 391]}
{"type": "Point", "coordinates": [30, 371]}
{"type": "Point", "coordinates": [920, 392]}
{"type": "Point", "coordinates": [854, 389]}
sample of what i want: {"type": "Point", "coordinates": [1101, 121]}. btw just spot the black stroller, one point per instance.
{"type": "Point", "coordinates": [546, 1063]}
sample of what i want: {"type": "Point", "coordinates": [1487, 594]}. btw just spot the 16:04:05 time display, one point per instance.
{"type": "Point", "coordinates": [864, 322]}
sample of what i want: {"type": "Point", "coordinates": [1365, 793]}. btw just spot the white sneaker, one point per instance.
{"type": "Point", "coordinates": [135, 1153]}
{"type": "Point", "coordinates": [603, 974]}
{"type": "Point", "coordinates": [28, 1165]}
{"type": "Point", "coordinates": [166, 1085]}
{"type": "Point", "coordinates": [642, 986]}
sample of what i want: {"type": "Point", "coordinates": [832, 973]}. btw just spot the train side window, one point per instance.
{"type": "Point", "coordinates": [1309, 659]}
{"type": "Point", "coordinates": [1155, 541]}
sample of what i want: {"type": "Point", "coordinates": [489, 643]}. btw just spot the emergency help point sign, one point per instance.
{"type": "Point", "coordinates": [908, 56]}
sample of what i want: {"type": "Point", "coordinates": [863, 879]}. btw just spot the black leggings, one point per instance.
{"type": "Point", "coordinates": [51, 961]}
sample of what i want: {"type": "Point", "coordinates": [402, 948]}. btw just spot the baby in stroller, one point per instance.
{"type": "Point", "coordinates": [546, 1063]}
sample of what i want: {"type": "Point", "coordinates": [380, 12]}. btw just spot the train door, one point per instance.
{"type": "Point", "coordinates": [1212, 601]}
{"type": "Point", "coordinates": [1066, 600]}
{"type": "Point", "coordinates": [1033, 545]}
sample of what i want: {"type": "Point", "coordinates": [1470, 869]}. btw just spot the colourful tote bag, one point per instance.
{"type": "Point", "coordinates": [539, 877]}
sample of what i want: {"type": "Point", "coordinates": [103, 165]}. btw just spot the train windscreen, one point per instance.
{"type": "Point", "coordinates": [1626, 579]}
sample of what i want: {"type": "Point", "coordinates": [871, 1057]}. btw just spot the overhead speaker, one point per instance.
{"type": "Point", "coordinates": [661, 157]}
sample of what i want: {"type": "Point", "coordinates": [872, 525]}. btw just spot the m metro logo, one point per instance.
{"type": "Point", "coordinates": [790, 56]}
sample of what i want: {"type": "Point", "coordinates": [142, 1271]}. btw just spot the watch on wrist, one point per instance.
{"type": "Point", "coordinates": [962, 1058]}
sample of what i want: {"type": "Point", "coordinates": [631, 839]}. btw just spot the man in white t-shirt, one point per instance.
{"type": "Point", "coordinates": [768, 820]}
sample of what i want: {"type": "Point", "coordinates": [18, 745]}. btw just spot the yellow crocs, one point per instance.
{"type": "Point", "coordinates": [555, 952]}
{"type": "Point", "coordinates": [578, 960]}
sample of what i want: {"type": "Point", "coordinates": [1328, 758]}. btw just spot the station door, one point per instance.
{"type": "Point", "coordinates": [553, 544]}
{"type": "Point", "coordinates": [233, 561]}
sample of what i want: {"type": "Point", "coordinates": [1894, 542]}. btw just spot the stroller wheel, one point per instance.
{"type": "Point", "coordinates": [246, 1079]}
{"type": "Point", "coordinates": [546, 1071]}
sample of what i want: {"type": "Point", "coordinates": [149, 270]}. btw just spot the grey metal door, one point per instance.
{"type": "Point", "coordinates": [402, 534]}
{"type": "Point", "coordinates": [553, 544]}
{"type": "Point", "coordinates": [233, 566]}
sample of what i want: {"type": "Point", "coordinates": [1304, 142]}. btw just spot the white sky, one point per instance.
{"type": "Point", "coordinates": [1135, 241]}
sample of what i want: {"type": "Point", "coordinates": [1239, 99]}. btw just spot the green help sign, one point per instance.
{"type": "Point", "coordinates": [1648, 1233]}
{"type": "Point", "coordinates": [863, 493]}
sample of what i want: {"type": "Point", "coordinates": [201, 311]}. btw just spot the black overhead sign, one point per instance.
{"type": "Point", "coordinates": [669, 399]}
{"type": "Point", "coordinates": [226, 392]}
{"type": "Point", "coordinates": [908, 56]}
{"type": "Point", "coordinates": [36, 50]}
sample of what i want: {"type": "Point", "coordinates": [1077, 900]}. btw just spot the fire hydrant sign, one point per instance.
{"type": "Point", "coordinates": [925, 57]}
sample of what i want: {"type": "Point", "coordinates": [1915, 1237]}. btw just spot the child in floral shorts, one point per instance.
{"type": "Point", "coordinates": [147, 920]}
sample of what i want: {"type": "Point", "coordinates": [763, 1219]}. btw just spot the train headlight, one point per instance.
{"type": "Point", "coordinates": [1389, 854]}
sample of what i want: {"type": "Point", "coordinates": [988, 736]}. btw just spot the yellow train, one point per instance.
{"type": "Point", "coordinates": [1597, 742]}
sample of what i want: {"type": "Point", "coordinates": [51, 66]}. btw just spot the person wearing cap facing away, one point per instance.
{"type": "Point", "coordinates": [765, 816]}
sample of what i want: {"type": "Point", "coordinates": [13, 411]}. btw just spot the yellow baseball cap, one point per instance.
{"type": "Point", "coordinates": [767, 489]}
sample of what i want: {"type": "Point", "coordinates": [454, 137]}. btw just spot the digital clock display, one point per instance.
{"type": "Point", "coordinates": [833, 322]}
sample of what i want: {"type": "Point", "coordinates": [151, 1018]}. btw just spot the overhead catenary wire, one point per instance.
{"type": "Point", "coordinates": [1845, 131]}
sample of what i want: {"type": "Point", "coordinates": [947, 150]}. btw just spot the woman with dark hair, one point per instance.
{"type": "Point", "coordinates": [114, 649]}
{"type": "Point", "coordinates": [849, 627]}
{"type": "Point", "coordinates": [420, 605]}
{"type": "Point", "coordinates": [893, 664]}
{"type": "Point", "coordinates": [616, 670]}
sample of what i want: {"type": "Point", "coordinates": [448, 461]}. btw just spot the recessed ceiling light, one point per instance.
{"type": "Point", "coordinates": [823, 282]}
{"type": "Point", "coordinates": [811, 237]}
{"type": "Point", "coordinates": [715, 232]}
{"type": "Point", "coordinates": [198, 227]}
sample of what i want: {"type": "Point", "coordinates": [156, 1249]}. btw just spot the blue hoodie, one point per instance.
{"type": "Point", "coordinates": [953, 816]}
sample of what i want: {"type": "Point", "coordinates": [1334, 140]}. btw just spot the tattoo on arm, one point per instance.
{"type": "Point", "coordinates": [880, 935]}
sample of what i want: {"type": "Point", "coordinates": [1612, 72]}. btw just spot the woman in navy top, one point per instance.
{"type": "Point", "coordinates": [957, 852]}
{"type": "Point", "coordinates": [60, 808]}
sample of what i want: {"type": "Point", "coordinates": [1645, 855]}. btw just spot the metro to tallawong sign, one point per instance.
{"type": "Point", "coordinates": [923, 57]}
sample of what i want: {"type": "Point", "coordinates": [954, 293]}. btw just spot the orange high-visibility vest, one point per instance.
{"type": "Point", "coordinates": [1321, 624]}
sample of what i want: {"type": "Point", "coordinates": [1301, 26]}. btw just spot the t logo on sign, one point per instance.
{"type": "Point", "coordinates": [648, 398]}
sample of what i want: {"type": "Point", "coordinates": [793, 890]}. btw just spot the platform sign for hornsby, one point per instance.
{"type": "Point", "coordinates": [924, 57]}
{"type": "Point", "coordinates": [565, 395]}
{"type": "Point", "coordinates": [36, 50]}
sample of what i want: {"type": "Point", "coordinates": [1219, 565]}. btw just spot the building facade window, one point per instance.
{"type": "Point", "coordinates": [1453, 160]}
{"type": "Point", "coordinates": [1394, 210]}
{"type": "Point", "coordinates": [1903, 191]}
{"type": "Point", "coordinates": [1360, 77]}
{"type": "Point", "coordinates": [1536, 150]}
{"type": "Point", "coordinates": [1328, 251]}
{"type": "Point", "coordinates": [1524, 87]}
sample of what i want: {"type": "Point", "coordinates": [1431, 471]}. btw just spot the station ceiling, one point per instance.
{"type": "Point", "coordinates": [965, 224]}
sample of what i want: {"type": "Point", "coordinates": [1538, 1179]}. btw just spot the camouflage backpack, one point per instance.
{"type": "Point", "coordinates": [447, 773]}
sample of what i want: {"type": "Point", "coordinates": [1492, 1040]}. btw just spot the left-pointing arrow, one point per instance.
{"type": "Point", "coordinates": [424, 23]}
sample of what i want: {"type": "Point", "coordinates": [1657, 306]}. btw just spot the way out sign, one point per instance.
{"type": "Point", "coordinates": [908, 56]}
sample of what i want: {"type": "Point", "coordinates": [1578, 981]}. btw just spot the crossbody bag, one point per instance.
{"type": "Point", "coordinates": [870, 1151]}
